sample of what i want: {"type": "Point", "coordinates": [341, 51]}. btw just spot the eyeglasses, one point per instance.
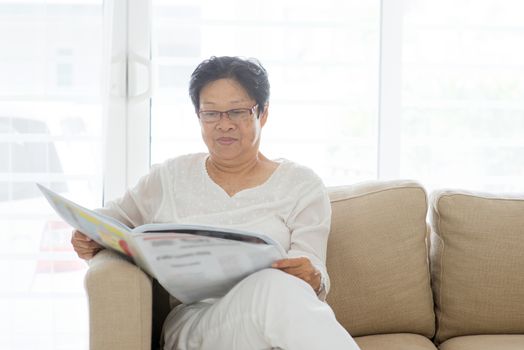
{"type": "Point", "coordinates": [235, 115]}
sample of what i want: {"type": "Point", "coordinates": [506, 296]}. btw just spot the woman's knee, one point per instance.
{"type": "Point", "coordinates": [273, 278]}
{"type": "Point", "coordinates": [270, 284]}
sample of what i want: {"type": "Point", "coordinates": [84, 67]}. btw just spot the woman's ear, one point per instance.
{"type": "Point", "coordinates": [263, 114]}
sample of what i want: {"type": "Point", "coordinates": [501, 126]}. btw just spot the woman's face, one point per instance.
{"type": "Point", "coordinates": [230, 141]}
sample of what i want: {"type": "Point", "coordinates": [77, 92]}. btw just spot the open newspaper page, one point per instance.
{"type": "Point", "coordinates": [191, 262]}
{"type": "Point", "coordinates": [195, 267]}
{"type": "Point", "coordinates": [105, 230]}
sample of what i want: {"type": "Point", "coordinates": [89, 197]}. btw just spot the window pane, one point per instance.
{"type": "Point", "coordinates": [50, 132]}
{"type": "Point", "coordinates": [322, 65]}
{"type": "Point", "coordinates": [463, 83]}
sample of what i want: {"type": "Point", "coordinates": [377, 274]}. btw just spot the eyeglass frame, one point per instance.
{"type": "Point", "coordinates": [251, 111]}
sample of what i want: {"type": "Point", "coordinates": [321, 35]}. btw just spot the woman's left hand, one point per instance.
{"type": "Point", "coordinates": [301, 268]}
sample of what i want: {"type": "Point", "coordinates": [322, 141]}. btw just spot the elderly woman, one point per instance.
{"type": "Point", "coordinates": [236, 186]}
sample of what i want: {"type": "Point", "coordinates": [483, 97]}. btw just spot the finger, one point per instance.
{"type": "Point", "coordinates": [88, 244]}
{"type": "Point", "coordinates": [87, 253]}
{"type": "Point", "coordinates": [86, 256]}
{"type": "Point", "coordinates": [80, 240]}
{"type": "Point", "coordinates": [83, 254]}
{"type": "Point", "coordinates": [304, 271]}
{"type": "Point", "coordinates": [81, 236]}
{"type": "Point", "coordinates": [292, 262]}
{"type": "Point", "coordinates": [301, 276]}
{"type": "Point", "coordinates": [306, 275]}
{"type": "Point", "coordinates": [77, 245]}
{"type": "Point", "coordinates": [296, 269]}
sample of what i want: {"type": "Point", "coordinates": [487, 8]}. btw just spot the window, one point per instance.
{"type": "Point", "coordinates": [456, 76]}
{"type": "Point", "coordinates": [360, 90]}
{"type": "Point", "coordinates": [322, 61]}
{"type": "Point", "coordinates": [50, 132]}
{"type": "Point", "coordinates": [462, 119]}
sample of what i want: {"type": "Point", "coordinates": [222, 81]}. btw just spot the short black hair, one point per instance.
{"type": "Point", "coordinates": [248, 72]}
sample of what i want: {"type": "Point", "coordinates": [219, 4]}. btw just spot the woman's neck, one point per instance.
{"type": "Point", "coordinates": [233, 178]}
{"type": "Point", "coordinates": [234, 169]}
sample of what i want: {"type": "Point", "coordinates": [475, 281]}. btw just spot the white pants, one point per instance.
{"type": "Point", "coordinates": [268, 309]}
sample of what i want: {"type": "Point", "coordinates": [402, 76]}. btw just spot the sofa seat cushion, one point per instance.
{"type": "Point", "coordinates": [485, 342]}
{"type": "Point", "coordinates": [399, 341]}
{"type": "Point", "coordinates": [377, 259]}
{"type": "Point", "coordinates": [477, 263]}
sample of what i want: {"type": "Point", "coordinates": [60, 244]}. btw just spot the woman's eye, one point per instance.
{"type": "Point", "coordinates": [237, 112]}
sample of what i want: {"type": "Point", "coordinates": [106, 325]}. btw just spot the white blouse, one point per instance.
{"type": "Point", "coordinates": [292, 206]}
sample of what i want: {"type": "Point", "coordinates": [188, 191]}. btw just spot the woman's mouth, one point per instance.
{"type": "Point", "coordinates": [226, 140]}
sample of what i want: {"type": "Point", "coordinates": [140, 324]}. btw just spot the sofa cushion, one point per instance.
{"type": "Point", "coordinates": [485, 342]}
{"type": "Point", "coordinates": [377, 259]}
{"type": "Point", "coordinates": [395, 342]}
{"type": "Point", "coordinates": [477, 263]}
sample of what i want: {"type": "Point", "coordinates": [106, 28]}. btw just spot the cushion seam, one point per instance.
{"type": "Point", "coordinates": [482, 196]}
{"type": "Point", "coordinates": [439, 236]}
{"type": "Point", "coordinates": [379, 191]}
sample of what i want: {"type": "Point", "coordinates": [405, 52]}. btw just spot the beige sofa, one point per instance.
{"type": "Point", "coordinates": [396, 283]}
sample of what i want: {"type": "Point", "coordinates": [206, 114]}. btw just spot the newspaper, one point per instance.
{"type": "Point", "coordinates": [192, 262]}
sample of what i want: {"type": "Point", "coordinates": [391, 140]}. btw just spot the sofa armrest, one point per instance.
{"type": "Point", "coordinates": [120, 304]}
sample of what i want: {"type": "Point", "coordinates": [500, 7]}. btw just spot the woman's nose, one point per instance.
{"type": "Point", "coordinates": [225, 122]}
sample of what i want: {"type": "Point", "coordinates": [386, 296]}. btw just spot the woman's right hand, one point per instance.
{"type": "Point", "coordinates": [84, 246]}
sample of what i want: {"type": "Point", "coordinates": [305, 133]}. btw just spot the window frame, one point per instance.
{"type": "Point", "coordinates": [127, 92]}
{"type": "Point", "coordinates": [132, 150]}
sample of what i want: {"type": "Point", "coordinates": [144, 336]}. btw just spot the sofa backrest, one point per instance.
{"type": "Point", "coordinates": [477, 263]}
{"type": "Point", "coordinates": [377, 259]}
